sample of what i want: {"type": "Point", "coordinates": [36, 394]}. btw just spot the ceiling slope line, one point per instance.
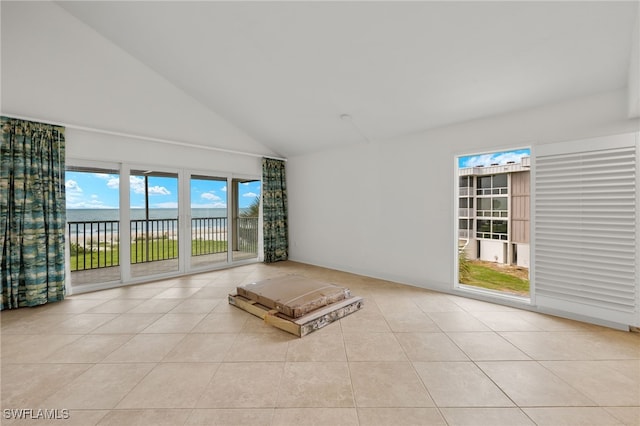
{"type": "Point", "coordinates": [141, 137]}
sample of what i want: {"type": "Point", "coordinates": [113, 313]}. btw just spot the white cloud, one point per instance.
{"type": "Point", "coordinates": [505, 157]}
{"type": "Point", "coordinates": [88, 204]}
{"type": "Point", "coordinates": [73, 194]}
{"type": "Point", "coordinates": [113, 182]}
{"type": "Point", "coordinates": [494, 158]}
{"type": "Point", "coordinates": [75, 198]}
{"type": "Point", "coordinates": [158, 190]}
{"type": "Point", "coordinates": [72, 185]}
{"type": "Point", "coordinates": [479, 160]}
{"type": "Point", "coordinates": [210, 196]}
{"type": "Point", "coordinates": [137, 186]}
{"type": "Point", "coordinates": [224, 189]}
{"type": "Point", "coordinates": [250, 194]}
{"type": "Point", "coordinates": [136, 183]}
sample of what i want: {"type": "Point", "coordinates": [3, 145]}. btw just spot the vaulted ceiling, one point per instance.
{"type": "Point", "coordinates": [307, 76]}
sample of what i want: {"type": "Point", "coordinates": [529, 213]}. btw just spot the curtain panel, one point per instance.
{"type": "Point", "coordinates": [274, 210]}
{"type": "Point", "coordinates": [32, 213]}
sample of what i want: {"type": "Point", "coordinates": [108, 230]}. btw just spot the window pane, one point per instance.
{"type": "Point", "coordinates": [463, 202]}
{"type": "Point", "coordinates": [463, 223]}
{"type": "Point", "coordinates": [464, 181]}
{"type": "Point", "coordinates": [500, 181]}
{"type": "Point", "coordinates": [209, 228]}
{"type": "Point", "coordinates": [245, 213]}
{"type": "Point", "coordinates": [484, 182]}
{"type": "Point", "coordinates": [484, 203]}
{"type": "Point", "coordinates": [483, 225]}
{"type": "Point", "coordinates": [154, 224]}
{"type": "Point", "coordinates": [500, 203]}
{"type": "Point", "coordinates": [93, 224]}
{"type": "Point", "coordinates": [500, 226]}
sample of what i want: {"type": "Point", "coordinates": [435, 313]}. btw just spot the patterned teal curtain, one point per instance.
{"type": "Point", "coordinates": [274, 210]}
{"type": "Point", "coordinates": [32, 213]}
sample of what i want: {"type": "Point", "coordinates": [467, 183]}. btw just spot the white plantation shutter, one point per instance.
{"type": "Point", "coordinates": [586, 249]}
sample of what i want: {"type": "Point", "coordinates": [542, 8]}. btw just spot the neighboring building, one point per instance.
{"type": "Point", "coordinates": [493, 212]}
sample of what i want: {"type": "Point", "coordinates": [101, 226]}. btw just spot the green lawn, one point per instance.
{"type": "Point", "coordinates": [482, 276]}
{"type": "Point", "coordinates": [158, 249]}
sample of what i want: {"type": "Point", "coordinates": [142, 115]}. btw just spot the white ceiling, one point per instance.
{"type": "Point", "coordinates": [285, 72]}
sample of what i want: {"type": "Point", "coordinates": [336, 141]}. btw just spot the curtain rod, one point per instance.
{"type": "Point", "coordinates": [144, 138]}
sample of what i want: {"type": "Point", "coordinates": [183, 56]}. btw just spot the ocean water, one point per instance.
{"type": "Point", "coordinates": [87, 215]}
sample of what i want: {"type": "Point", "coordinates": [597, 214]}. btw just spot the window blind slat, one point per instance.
{"type": "Point", "coordinates": [585, 227]}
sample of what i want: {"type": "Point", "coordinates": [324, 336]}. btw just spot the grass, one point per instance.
{"type": "Point", "coordinates": [159, 249]}
{"type": "Point", "coordinates": [490, 276]}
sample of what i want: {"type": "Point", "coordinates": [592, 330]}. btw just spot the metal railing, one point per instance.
{"type": "Point", "coordinates": [208, 235]}
{"type": "Point", "coordinates": [153, 240]}
{"type": "Point", "coordinates": [96, 244]}
{"type": "Point", "coordinates": [248, 234]}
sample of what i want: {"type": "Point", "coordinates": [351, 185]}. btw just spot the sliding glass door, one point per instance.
{"type": "Point", "coordinates": [93, 224]}
{"type": "Point", "coordinates": [131, 223]}
{"type": "Point", "coordinates": [154, 225]}
{"type": "Point", "coordinates": [245, 201]}
{"type": "Point", "coordinates": [208, 230]}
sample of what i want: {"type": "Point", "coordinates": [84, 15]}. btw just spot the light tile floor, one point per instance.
{"type": "Point", "coordinates": [174, 352]}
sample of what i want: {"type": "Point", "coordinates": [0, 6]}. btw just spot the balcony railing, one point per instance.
{"type": "Point", "coordinates": [208, 235]}
{"type": "Point", "coordinates": [96, 244]}
{"type": "Point", "coordinates": [248, 234]}
{"type": "Point", "coordinates": [154, 239]}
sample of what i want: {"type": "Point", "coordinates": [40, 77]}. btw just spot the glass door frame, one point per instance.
{"type": "Point", "coordinates": [184, 221]}
{"type": "Point", "coordinates": [89, 166]}
{"type": "Point", "coordinates": [125, 217]}
{"type": "Point", "coordinates": [232, 203]}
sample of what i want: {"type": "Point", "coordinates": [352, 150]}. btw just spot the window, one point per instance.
{"type": "Point", "coordinates": [499, 203]}
{"type": "Point", "coordinates": [466, 203]}
{"type": "Point", "coordinates": [499, 229]}
{"type": "Point", "coordinates": [483, 226]}
{"type": "Point", "coordinates": [484, 182]}
{"type": "Point", "coordinates": [499, 181]}
{"type": "Point", "coordinates": [484, 204]}
{"type": "Point", "coordinates": [493, 237]}
{"type": "Point", "coordinates": [495, 184]}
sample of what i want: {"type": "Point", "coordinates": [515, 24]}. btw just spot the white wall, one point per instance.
{"type": "Point", "coordinates": [493, 251]}
{"type": "Point", "coordinates": [524, 255]}
{"type": "Point", "coordinates": [387, 209]}
{"type": "Point", "coordinates": [57, 69]}
{"type": "Point", "coordinates": [84, 145]}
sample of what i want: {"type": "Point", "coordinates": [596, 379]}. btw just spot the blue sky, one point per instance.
{"type": "Point", "coordinates": [100, 191]}
{"type": "Point", "coordinates": [492, 158]}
